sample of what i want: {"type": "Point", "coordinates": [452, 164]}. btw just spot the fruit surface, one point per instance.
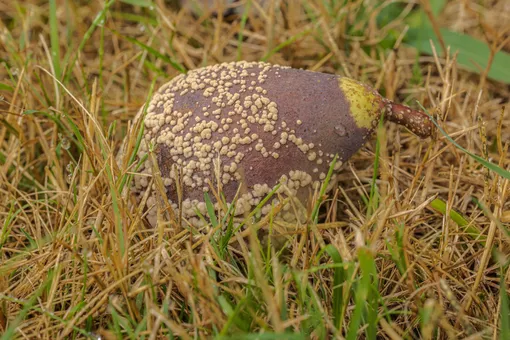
{"type": "Point", "coordinates": [243, 127]}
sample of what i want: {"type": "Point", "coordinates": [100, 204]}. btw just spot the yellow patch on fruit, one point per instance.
{"type": "Point", "coordinates": [364, 103]}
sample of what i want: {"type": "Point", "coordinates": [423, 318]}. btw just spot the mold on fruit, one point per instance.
{"type": "Point", "coordinates": [244, 127]}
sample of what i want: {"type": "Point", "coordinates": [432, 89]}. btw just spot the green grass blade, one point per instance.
{"type": "Point", "coordinates": [141, 327]}
{"type": "Point", "coordinates": [125, 179]}
{"type": "Point", "coordinates": [76, 132]}
{"type": "Point", "coordinates": [97, 21]}
{"type": "Point", "coordinates": [175, 64]}
{"type": "Point", "coordinates": [27, 306]}
{"type": "Point", "coordinates": [437, 6]}
{"type": "Point", "coordinates": [396, 249]}
{"type": "Point", "coordinates": [315, 212]}
{"type": "Point", "coordinates": [366, 298]}
{"type": "Point", "coordinates": [504, 228]}
{"type": "Point", "coordinates": [369, 270]}
{"type": "Point", "coordinates": [258, 207]}
{"type": "Point", "coordinates": [141, 3]}
{"type": "Point", "coordinates": [339, 279]}
{"type": "Point", "coordinates": [234, 315]}
{"type": "Point", "coordinates": [9, 127]}
{"type": "Point", "coordinates": [491, 166]}
{"type": "Point", "coordinates": [55, 44]}
{"type": "Point", "coordinates": [264, 336]}
{"type": "Point", "coordinates": [440, 205]}
{"type": "Point", "coordinates": [76, 137]}
{"type": "Point", "coordinates": [240, 37]}
{"type": "Point", "coordinates": [505, 308]}
{"type": "Point", "coordinates": [5, 87]}
{"type": "Point", "coordinates": [116, 204]}
{"type": "Point", "coordinates": [140, 19]}
{"type": "Point", "coordinates": [355, 321]}
{"type": "Point", "coordinates": [86, 334]}
{"type": "Point", "coordinates": [116, 322]}
{"type": "Point", "coordinates": [210, 210]}
{"type": "Point", "coordinates": [286, 43]}
{"type": "Point", "coordinates": [227, 235]}
{"type": "Point", "coordinates": [473, 54]}
{"type": "Point", "coordinates": [373, 201]}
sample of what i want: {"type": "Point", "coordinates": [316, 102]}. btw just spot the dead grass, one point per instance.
{"type": "Point", "coordinates": [76, 261]}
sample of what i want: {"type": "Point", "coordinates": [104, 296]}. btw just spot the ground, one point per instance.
{"type": "Point", "coordinates": [412, 243]}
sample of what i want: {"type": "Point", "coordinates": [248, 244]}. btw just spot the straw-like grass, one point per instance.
{"type": "Point", "coordinates": [413, 243]}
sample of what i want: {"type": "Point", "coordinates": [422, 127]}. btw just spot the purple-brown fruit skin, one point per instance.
{"type": "Point", "coordinates": [301, 95]}
{"type": "Point", "coordinates": [310, 106]}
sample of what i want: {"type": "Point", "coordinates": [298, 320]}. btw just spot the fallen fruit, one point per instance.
{"type": "Point", "coordinates": [257, 124]}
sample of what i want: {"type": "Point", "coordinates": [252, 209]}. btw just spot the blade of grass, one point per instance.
{"type": "Point", "coordinates": [258, 207]}
{"type": "Point", "coordinates": [366, 299]}
{"type": "Point", "coordinates": [265, 336]}
{"type": "Point", "coordinates": [117, 212]}
{"type": "Point", "coordinates": [104, 113]}
{"type": "Point", "coordinates": [322, 192]}
{"type": "Point", "coordinates": [141, 327]}
{"type": "Point", "coordinates": [141, 3]}
{"type": "Point", "coordinates": [373, 201]}
{"type": "Point", "coordinates": [505, 308]}
{"type": "Point", "coordinates": [471, 230]}
{"type": "Point", "coordinates": [5, 87]}
{"type": "Point", "coordinates": [234, 315]}
{"type": "Point", "coordinates": [429, 315]}
{"type": "Point", "coordinates": [175, 64]}
{"type": "Point", "coordinates": [229, 232]}
{"type": "Point", "coordinates": [240, 37]}
{"type": "Point", "coordinates": [356, 316]}
{"type": "Point", "coordinates": [97, 21]}
{"type": "Point", "coordinates": [307, 303]}
{"type": "Point", "coordinates": [210, 210]}
{"type": "Point", "coordinates": [54, 38]}
{"type": "Point", "coordinates": [9, 127]}
{"type": "Point", "coordinates": [286, 43]}
{"type": "Point", "coordinates": [473, 54]}
{"type": "Point", "coordinates": [139, 136]}
{"type": "Point", "coordinates": [491, 166]}
{"type": "Point", "coordinates": [369, 270]}
{"type": "Point", "coordinates": [491, 216]}
{"type": "Point", "coordinates": [397, 251]}
{"type": "Point", "coordinates": [116, 320]}
{"type": "Point", "coordinates": [339, 279]}
{"type": "Point", "coordinates": [141, 19]}
{"type": "Point", "coordinates": [6, 225]}
{"type": "Point", "coordinates": [437, 6]}
{"type": "Point", "coordinates": [27, 307]}
{"type": "Point", "coordinates": [42, 311]}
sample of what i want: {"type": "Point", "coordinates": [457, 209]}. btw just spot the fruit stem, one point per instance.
{"type": "Point", "coordinates": [416, 121]}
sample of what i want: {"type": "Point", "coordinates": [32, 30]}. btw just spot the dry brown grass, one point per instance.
{"type": "Point", "coordinates": [75, 258]}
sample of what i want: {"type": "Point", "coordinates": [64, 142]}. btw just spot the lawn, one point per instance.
{"type": "Point", "coordinates": [413, 242]}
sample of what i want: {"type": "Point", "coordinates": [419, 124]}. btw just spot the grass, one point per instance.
{"type": "Point", "coordinates": [412, 243]}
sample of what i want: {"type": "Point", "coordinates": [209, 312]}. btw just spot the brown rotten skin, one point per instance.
{"type": "Point", "coordinates": [258, 124]}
